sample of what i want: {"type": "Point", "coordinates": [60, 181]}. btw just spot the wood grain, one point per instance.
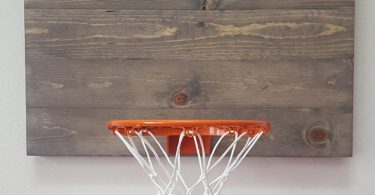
{"type": "Point", "coordinates": [286, 61]}
{"type": "Point", "coordinates": [172, 34]}
{"type": "Point", "coordinates": [114, 4]}
{"type": "Point", "coordinates": [54, 131]}
{"type": "Point", "coordinates": [209, 84]}
{"type": "Point", "coordinates": [186, 4]}
{"type": "Point", "coordinates": [283, 4]}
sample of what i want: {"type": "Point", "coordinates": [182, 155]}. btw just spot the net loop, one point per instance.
{"type": "Point", "coordinates": [210, 188]}
{"type": "Point", "coordinates": [167, 176]}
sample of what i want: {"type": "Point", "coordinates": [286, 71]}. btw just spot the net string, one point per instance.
{"type": "Point", "coordinates": [167, 187]}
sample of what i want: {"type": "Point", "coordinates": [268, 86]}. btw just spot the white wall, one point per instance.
{"type": "Point", "coordinates": [20, 174]}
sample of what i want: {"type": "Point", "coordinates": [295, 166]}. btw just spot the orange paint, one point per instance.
{"type": "Point", "coordinates": [173, 128]}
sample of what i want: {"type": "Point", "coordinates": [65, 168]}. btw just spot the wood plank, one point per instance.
{"type": "Point", "coordinates": [209, 84]}
{"type": "Point", "coordinates": [114, 4]}
{"type": "Point", "coordinates": [182, 34]}
{"type": "Point", "coordinates": [186, 4]}
{"type": "Point", "coordinates": [54, 131]}
{"type": "Point", "coordinates": [283, 4]}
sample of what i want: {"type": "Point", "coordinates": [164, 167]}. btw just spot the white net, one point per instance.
{"type": "Point", "coordinates": [166, 174]}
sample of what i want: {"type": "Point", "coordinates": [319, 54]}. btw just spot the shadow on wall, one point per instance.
{"type": "Point", "coordinates": [297, 173]}
{"type": "Point", "coordinates": [328, 173]}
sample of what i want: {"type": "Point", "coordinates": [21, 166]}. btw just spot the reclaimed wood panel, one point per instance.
{"type": "Point", "coordinates": [182, 34]}
{"type": "Point", "coordinates": [286, 61]}
{"type": "Point", "coordinates": [55, 131]}
{"type": "Point", "coordinates": [186, 4]}
{"type": "Point", "coordinates": [209, 84]}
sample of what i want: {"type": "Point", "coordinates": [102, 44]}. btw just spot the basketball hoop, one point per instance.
{"type": "Point", "coordinates": [184, 137]}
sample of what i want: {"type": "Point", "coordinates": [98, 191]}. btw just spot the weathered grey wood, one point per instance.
{"type": "Point", "coordinates": [54, 131]}
{"type": "Point", "coordinates": [172, 34]}
{"type": "Point", "coordinates": [286, 61]}
{"type": "Point", "coordinates": [209, 84]}
{"type": "Point", "coordinates": [186, 4]}
{"type": "Point", "coordinates": [114, 4]}
{"type": "Point", "coordinates": [283, 4]}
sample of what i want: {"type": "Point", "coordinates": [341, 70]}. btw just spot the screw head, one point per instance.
{"type": "Point", "coordinates": [180, 99]}
{"type": "Point", "coordinates": [318, 134]}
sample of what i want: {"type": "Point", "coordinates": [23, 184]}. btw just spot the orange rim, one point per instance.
{"type": "Point", "coordinates": [190, 127]}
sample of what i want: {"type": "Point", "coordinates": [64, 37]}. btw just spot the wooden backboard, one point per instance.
{"type": "Point", "coordinates": [286, 61]}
